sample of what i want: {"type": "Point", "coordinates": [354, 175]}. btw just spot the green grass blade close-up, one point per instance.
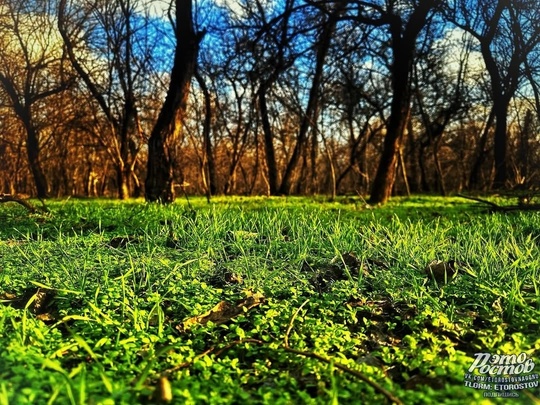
{"type": "Point", "coordinates": [269, 300]}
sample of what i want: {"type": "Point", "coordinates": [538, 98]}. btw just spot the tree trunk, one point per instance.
{"type": "Point", "coordinates": [24, 113]}
{"type": "Point", "coordinates": [333, 183]}
{"type": "Point", "coordinates": [269, 150]}
{"type": "Point", "coordinates": [441, 186]}
{"type": "Point", "coordinates": [32, 149]}
{"type": "Point", "coordinates": [209, 155]}
{"type": "Point", "coordinates": [309, 118]}
{"type": "Point", "coordinates": [424, 179]}
{"type": "Point", "coordinates": [526, 133]}
{"type": "Point", "coordinates": [315, 187]}
{"type": "Point", "coordinates": [386, 172]}
{"type": "Point", "coordinates": [481, 153]}
{"type": "Point", "coordinates": [403, 49]}
{"type": "Point", "coordinates": [159, 179]}
{"type": "Point", "coordinates": [123, 124]}
{"type": "Point", "coordinates": [500, 141]}
{"type": "Point", "coordinates": [122, 179]}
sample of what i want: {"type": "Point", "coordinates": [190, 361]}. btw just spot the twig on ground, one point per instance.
{"type": "Point", "coordinates": [219, 352]}
{"type": "Point", "coordinates": [361, 376]}
{"type": "Point", "coordinates": [358, 374]}
{"type": "Point", "coordinates": [186, 364]}
{"type": "Point", "coordinates": [502, 208]}
{"type": "Point", "coordinates": [289, 328]}
{"type": "Point", "coordinates": [10, 198]}
{"type": "Point", "coordinates": [468, 197]}
{"type": "Point", "coordinates": [285, 347]}
{"type": "Point", "coordinates": [238, 342]}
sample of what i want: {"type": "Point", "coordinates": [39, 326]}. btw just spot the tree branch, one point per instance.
{"type": "Point", "coordinates": [493, 207]}
{"type": "Point", "coordinates": [10, 198]}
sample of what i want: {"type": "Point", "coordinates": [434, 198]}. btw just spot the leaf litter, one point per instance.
{"type": "Point", "coordinates": [223, 312]}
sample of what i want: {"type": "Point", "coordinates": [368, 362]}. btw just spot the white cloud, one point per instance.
{"type": "Point", "coordinates": [457, 39]}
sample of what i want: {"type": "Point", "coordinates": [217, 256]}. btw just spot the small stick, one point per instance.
{"type": "Point", "coordinates": [9, 198]}
{"type": "Point", "coordinates": [361, 376]}
{"type": "Point", "coordinates": [492, 204]}
{"type": "Point", "coordinates": [186, 364]}
{"type": "Point", "coordinates": [507, 208]}
{"type": "Point", "coordinates": [286, 340]}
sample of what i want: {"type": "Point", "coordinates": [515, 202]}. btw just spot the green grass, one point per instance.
{"type": "Point", "coordinates": [117, 280]}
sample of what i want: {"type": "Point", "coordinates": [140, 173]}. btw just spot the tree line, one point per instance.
{"type": "Point", "coordinates": [145, 97]}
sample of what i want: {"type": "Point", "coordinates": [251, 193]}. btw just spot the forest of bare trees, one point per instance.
{"type": "Point", "coordinates": [128, 98]}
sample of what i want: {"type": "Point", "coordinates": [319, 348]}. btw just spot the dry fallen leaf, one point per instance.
{"type": "Point", "coordinates": [225, 277]}
{"type": "Point", "coordinates": [39, 301]}
{"type": "Point", "coordinates": [7, 297]}
{"type": "Point", "coordinates": [47, 317]}
{"type": "Point", "coordinates": [122, 242]}
{"type": "Point", "coordinates": [223, 312]}
{"type": "Point", "coordinates": [442, 272]}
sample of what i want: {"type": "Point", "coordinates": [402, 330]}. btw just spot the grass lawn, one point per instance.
{"type": "Point", "coordinates": [257, 300]}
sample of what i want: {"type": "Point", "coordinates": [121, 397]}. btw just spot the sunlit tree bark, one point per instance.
{"type": "Point", "coordinates": [209, 163]}
{"type": "Point", "coordinates": [159, 184]}
{"type": "Point", "coordinates": [403, 36]}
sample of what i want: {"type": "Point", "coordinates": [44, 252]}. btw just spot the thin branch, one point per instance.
{"type": "Point", "coordinates": [361, 376]}
{"type": "Point", "coordinates": [289, 328]}
{"type": "Point", "coordinates": [186, 364]}
{"type": "Point", "coordinates": [358, 374]}
{"type": "Point", "coordinates": [500, 208]}
{"type": "Point", "coordinates": [491, 204]}
{"type": "Point", "coordinates": [9, 198]}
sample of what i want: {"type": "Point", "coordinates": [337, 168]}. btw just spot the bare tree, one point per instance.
{"type": "Point", "coordinates": [277, 48]}
{"type": "Point", "coordinates": [159, 179]}
{"type": "Point", "coordinates": [309, 115]}
{"type": "Point", "coordinates": [507, 32]}
{"type": "Point", "coordinates": [32, 71]}
{"type": "Point", "coordinates": [209, 165]}
{"type": "Point", "coordinates": [441, 96]}
{"type": "Point", "coordinates": [233, 103]}
{"type": "Point", "coordinates": [404, 21]}
{"type": "Point", "coordinates": [108, 45]}
{"type": "Point", "coordinates": [356, 106]}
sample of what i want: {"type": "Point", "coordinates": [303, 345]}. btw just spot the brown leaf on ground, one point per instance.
{"type": "Point", "coordinates": [223, 312]}
{"type": "Point", "coordinates": [342, 267]}
{"type": "Point", "coordinates": [224, 277]}
{"type": "Point", "coordinates": [35, 299]}
{"type": "Point", "coordinates": [39, 301]}
{"type": "Point", "coordinates": [442, 272]}
{"type": "Point", "coordinates": [122, 242]}
{"type": "Point", "coordinates": [233, 278]}
{"type": "Point", "coordinates": [7, 297]}
{"type": "Point", "coordinates": [46, 317]}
